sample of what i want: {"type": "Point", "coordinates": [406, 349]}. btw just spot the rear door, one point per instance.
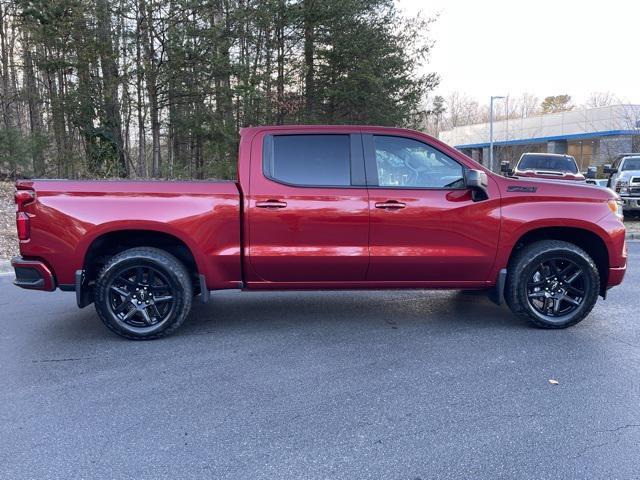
{"type": "Point", "coordinates": [425, 226]}
{"type": "Point", "coordinates": [308, 207]}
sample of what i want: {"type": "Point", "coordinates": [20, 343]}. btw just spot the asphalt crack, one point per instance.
{"type": "Point", "coordinates": [617, 429]}
{"type": "Point", "coordinates": [52, 360]}
{"type": "Point", "coordinates": [617, 439]}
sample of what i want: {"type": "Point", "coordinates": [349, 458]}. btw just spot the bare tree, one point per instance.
{"type": "Point", "coordinates": [526, 105]}
{"type": "Point", "coordinates": [601, 99]}
{"type": "Point", "coordinates": [462, 110]}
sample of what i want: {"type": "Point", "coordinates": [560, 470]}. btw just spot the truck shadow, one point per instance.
{"type": "Point", "coordinates": [296, 313]}
{"type": "Point", "coordinates": [366, 309]}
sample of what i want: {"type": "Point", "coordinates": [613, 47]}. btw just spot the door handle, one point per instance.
{"type": "Point", "coordinates": [391, 205]}
{"type": "Point", "coordinates": [271, 204]}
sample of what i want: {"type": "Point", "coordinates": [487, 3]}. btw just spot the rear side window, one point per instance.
{"type": "Point", "coordinates": [313, 160]}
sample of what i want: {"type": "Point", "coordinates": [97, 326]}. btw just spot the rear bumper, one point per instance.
{"type": "Point", "coordinates": [33, 275]}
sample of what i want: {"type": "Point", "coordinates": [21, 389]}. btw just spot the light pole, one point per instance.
{"type": "Point", "coordinates": [491, 130]}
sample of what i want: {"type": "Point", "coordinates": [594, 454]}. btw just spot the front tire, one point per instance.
{"type": "Point", "coordinates": [552, 284]}
{"type": "Point", "coordinates": [143, 293]}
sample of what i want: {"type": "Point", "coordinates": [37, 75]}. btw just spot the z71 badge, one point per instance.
{"type": "Point", "coordinates": [521, 189]}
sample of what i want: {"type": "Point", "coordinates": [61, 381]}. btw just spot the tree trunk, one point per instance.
{"type": "Point", "coordinates": [151, 74]}
{"type": "Point", "coordinates": [8, 114]}
{"type": "Point", "coordinates": [142, 142]}
{"type": "Point", "coordinates": [280, 40]}
{"type": "Point", "coordinates": [35, 114]}
{"type": "Point", "coordinates": [223, 93]}
{"type": "Point", "coordinates": [110, 82]}
{"type": "Point", "coordinates": [85, 108]}
{"type": "Point", "coordinates": [309, 51]}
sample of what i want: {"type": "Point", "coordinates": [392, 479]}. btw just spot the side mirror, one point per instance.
{"type": "Point", "coordinates": [478, 182]}
{"type": "Point", "coordinates": [505, 168]}
{"type": "Point", "coordinates": [592, 172]}
{"type": "Point", "coordinates": [609, 170]}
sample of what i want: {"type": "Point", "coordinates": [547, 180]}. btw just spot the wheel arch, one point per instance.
{"type": "Point", "coordinates": [589, 241]}
{"type": "Point", "coordinates": [110, 242]}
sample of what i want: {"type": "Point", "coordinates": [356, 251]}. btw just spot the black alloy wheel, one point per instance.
{"type": "Point", "coordinates": [552, 283]}
{"type": "Point", "coordinates": [556, 288]}
{"type": "Point", "coordinates": [143, 293]}
{"type": "Point", "coordinates": [140, 297]}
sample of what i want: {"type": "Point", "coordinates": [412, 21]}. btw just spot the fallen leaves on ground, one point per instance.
{"type": "Point", "coordinates": [8, 235]}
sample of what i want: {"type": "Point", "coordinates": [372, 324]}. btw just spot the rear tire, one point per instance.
{"type": "Point", "coordinates": [143, 293]}
{"type": "Point", "coordinates": [552, 284]}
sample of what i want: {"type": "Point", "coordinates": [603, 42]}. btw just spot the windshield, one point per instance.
{"type": "Point", "coordinates": [631, 164]}
{"type": "Point", "coordinates": [548, 162]}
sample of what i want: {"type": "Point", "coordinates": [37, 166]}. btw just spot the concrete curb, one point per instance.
{"type": "Point", "coordinates": [633, 236]}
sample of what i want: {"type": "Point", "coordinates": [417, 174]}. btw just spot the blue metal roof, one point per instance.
{"type": "Point", "coordinates": [527, 141]}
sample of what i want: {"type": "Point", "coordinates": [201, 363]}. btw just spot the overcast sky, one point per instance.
{"type": "Point", "coordinates": [543, 47]}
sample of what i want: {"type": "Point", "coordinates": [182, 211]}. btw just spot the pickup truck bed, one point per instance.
{"type": "Point", "coordinates": [67, 217]}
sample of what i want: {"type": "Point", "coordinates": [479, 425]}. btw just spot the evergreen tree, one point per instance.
{"type": "Point", "coordinates": [107, 88]}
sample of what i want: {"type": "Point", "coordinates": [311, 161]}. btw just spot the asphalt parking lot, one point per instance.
{"type": "Point", "coordinates": [389, 385]}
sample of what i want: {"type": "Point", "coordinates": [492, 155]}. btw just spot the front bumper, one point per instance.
{"type": "Point", "coordinates": [33, 275]}
{"type": "Point", "coordinates": [616, 275]}
{"type": "Point", "coordinates": [630, 203]}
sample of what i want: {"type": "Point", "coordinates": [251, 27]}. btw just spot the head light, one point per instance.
{"type": "Point", "coordinates": [622, 187]}
{"type": "Point", "coordinates": [616, 208]}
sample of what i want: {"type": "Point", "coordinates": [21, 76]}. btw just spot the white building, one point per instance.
{"type": "Point", "coordinates": [593, 136]}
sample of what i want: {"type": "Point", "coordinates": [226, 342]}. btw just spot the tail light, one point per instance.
{"type": "Point", "coordinates": [24, 225]}
{"type": "Point", "coordinates": [23, 222]}
{"type": "Point", "coordinates": [23, 197]}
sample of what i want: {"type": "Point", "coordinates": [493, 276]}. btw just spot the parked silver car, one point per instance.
{"type": "Point", "coordinates": [624, 179]}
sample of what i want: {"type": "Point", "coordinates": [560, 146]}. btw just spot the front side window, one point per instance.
{"type": "Point", "coordinates": [310, 160]}
{"type": "Point", "coordinates": [403, 162]}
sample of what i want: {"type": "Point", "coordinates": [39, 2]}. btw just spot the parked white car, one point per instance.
{"type": "Point", "coordinates": [624, 179]}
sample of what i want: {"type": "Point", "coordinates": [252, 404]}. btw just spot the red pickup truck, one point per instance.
{"type": "Point", "coordinates": [321, 207]}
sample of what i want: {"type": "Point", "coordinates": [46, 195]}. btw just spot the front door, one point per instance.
{"type": "Point", "coordinates": [308, 208]}
{"type": "Point", "coordinates": [425, 225]}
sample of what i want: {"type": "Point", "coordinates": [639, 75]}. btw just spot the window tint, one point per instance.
{"type": "Point", "coordinates": [309, 159]}
{"type": "Point", "coordinates": [550, 162]}
{"type": "Point", "coordinates": [403, 162]}
{"type": "Point", "coordinates": [631, 163]}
